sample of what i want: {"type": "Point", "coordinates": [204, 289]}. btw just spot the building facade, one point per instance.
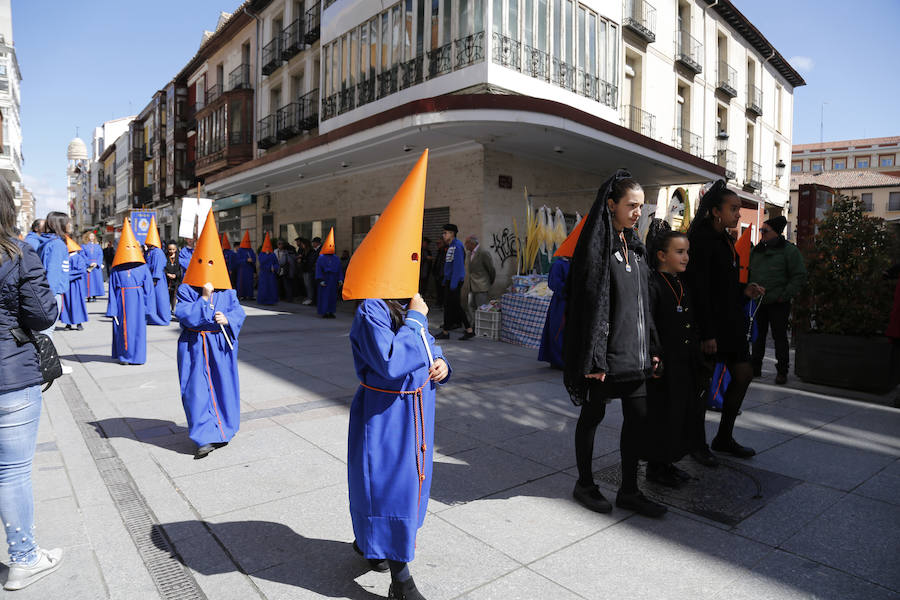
{"type": "Point", "coordinates": [78, 185]}
{"type": "Point", "coordinates": [11, 157]}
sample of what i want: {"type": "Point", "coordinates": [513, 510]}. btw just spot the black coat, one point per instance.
{"type": "Point", "coordinates": [673, 400]}
{"type": "Point", "coordinates": [26, 301]}
{"type": "Point", "coordinates": [713, 277]}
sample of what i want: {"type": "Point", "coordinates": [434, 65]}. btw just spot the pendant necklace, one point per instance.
{"type": "Point", "coordinates": [679, 295]}
{"type": "Point", "coordinates": [627, 264]}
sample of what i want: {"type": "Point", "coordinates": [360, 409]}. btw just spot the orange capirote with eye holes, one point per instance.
{"type": "Point", "coordinates": [129, 249]}
{"type": "Point", "coordinates": [208, 261]}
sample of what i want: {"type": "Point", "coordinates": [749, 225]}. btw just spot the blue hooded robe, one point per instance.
{"type": "Point", "coordinates": [328, 274]}
{"type": "Point", "coordinates": [93, 255]}
{"type": "Point", "coordinates": [130, 290]}
{"type": "Point", "coordinates": [245, 272]}
{"type": "Point", "coordinates": [159, 311]}
{"type": "Point", "coordinates": [184, 258]}
{"type": "Point", "coordinates": [207, 367]}
{"type": "Point", "coordinates": [552, 341]}
{"type": "Point", "coordinates": [55, 258]}
{"type": "Point", "coordinates": [388, 500]}
{"type": "Point", "coordinates": [74, 306]}
{"type": "Point", "coordinates": [267, 286]}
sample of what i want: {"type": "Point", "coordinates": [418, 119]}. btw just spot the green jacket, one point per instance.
{"type": "Point", "coordinates": [779, 268]}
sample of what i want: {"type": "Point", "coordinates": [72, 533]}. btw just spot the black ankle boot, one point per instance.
{"type": "Point", "coordinates": [404, 590]}
{"type": "Point", "coordinates": [376, 564]}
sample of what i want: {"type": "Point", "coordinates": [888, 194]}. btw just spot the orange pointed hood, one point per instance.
{"type": "Point", "coordinates": [742, 247]}
{"type": "Point", "coordinates": [567, 248]}
{"type": "Point", "coordinates": [129, 249]}
{"type": "Point", "coordinates": [208, 261]}
{"type": "Point", "coordinates": [245, 241]}
{"type": "Point", "coordinates": [153, 234]}
{"type": "Point", "coordinates": [226, 245]}
{"type": "Point", "coordinates": [386, 264]}
{"type": "Point", "coordinates": [267, 244]}
{"type": "Point", "coordinates": [328, 246]}
{"type": "Point", "coordinates": [72, 245]}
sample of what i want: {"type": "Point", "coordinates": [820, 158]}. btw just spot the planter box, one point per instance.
{"type": "Point", "coordinates": [869, 364]}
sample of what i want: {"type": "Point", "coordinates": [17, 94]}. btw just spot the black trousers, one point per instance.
{"type": "Point", "coordinates": [453, 312]}
{"type": "Point", "coordinates": [634, 429]}
{"type": "Point", "coordinates": [775, 315]}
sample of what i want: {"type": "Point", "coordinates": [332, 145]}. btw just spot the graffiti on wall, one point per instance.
{"type": "Point", "coordinates": [504, 245]}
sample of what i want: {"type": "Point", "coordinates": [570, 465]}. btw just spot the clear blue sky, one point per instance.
{"type": "Point", "coordinates": [87, 62]}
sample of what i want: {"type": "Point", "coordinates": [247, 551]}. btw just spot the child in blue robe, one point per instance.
{"type": "Point", "coordinates": [267, 286]}
{"type": "Point", "coordinates": [329, 274]}
{"type": "Point", "coordinates": [391, 432]}
{"type": "Point", "coordinates": [74, 304]}
{"type": "Point", "coordinates": [130, 287]}
{"type": "Point", "coordinates": [246, 265]}
{"type": "Point", "coordinates": [93, 258]}
{"type": "Point", "coordinates": [207, 365]}
{"type": "Point", "coordinates": [159, 310]}
{"type": "Point", "coordinates": [552, 339]}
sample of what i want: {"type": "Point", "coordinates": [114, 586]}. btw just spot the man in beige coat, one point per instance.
{"type": "Point", "coordinates": [480, 276]}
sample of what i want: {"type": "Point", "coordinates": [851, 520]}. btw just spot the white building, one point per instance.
{"type": "Point", "coordinates": [10, 80]}
{"type": "Point", "coordinates": [552, 95]}
{"type": "Point", "coordinates": [107, 133]}
{"type": "Point", "coordinates": [122, 177]}
{"type": "Point", "coordinates": [78, 185]}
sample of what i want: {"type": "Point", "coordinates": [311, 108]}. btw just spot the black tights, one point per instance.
{"type": "Point", "coordinates": [634, 427]}
{"type": "Point", "coordinates": [741, 375]}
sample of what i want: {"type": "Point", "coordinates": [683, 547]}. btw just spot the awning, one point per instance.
{"type": "Point", "coordinates": [232, 201]}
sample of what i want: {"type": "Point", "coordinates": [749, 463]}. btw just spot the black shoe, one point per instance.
{"type": "Point", "coordinates": [467, 335]}
{"type": "Point", "coordinates": [203, 451]}
{"type": "Point", "coordinates": [442, 336]}
{"type": "Point", "coordinates": [79, 327]}
{"type": "Point", "coordinates": [705, 457]}
{"type": "Point", "coordinates": [681, 474]}
{"type": "Point", "coordinates": [781, 379]}
{"type": "Point", "coordinates": [662, 475]}
{"type": "Point", "coordinates": [68, 328]}
{"type": "Point", "coordinates": [732, 447]}
{"type": "Point", "coordinates": [376, 564]}
{"type": "Point", "coordinates": [591, 498]}
{"type": "Point", "coordinates": [640, 504]}
{"type": "Point", "coordinates": [218, 445]}
{"type": "Point", "coordinates": [404, 590]}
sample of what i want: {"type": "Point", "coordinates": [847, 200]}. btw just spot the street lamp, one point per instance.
{"type": "Point", "coordinates": [779, 169]}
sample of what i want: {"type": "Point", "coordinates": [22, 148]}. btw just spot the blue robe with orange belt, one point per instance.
{"type": "Point", "coordinates": [267, 286]}
{"type": "Point", "coordinates": [328, 273]}
{"type": "Point", "coordinates": [74, 307]}
{"type": "Point", "coordinates": [552, 341]}
{"type": "Point", "coordinates": [207, 366]}
{"type": "Point", "coordinates": [159, 311]}
{"type": "Point", "coordinates": [391, 435]}
{"type": "Point", "coordinates": [93, 255]}
{"type": "Point", "coordinates": [245, 271]}
{"type": "Point", "coordinates": [130, 289]}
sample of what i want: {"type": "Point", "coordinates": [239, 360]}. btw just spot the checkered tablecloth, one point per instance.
{"type": "Point", "coordinates": [522, 319]}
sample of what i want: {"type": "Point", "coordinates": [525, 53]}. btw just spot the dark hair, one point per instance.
{"type": "Point", "coordinates": [713, 198]}
{"type": "Point", "coordinates": [37, 225]}
{"type": "Point", "coordinates": [8, 246]}
{"type": "Point", "coordinates": [398, 313]}
{"type": "Point", "coordinates": [622, 187]}
{"type": "Point", "coordinates": [58, 223]}
{"type": "Point", "coordinates": [662, 241]}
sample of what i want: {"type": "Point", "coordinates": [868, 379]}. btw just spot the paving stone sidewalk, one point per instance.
{"type": "Point", "coordinates": [816, 514]}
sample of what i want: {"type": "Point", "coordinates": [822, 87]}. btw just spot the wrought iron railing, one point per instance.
{"type": "Point", "coordinates": [597, 89]}
{"type": "Point", "coordinates": [271, 55]}
{"type": "Point", "coordinates": [387, 82]}
{"type": "Point", "coordinates": [636, 119]}
{"type": "Point", "coordinates": [754, 99]}
{"type": "Point", "coordinates": [469, 50]}
{"type": "Point", "coordinates": [640, 17]}
{"type": "Point", "coordinates": [365, 91]}
{"type": "Point", "coordinates": [506, 51]}
{"type": "Point", "coordinates": [329, 106]}
{"type": "Point", "coordinates": [213, 92]}
{"type": "Point", "coordinates": [687, 141]}
{"type": "Point", "coordinates": [346, 99]}
{"type": "Point", "coordinates": [537, 63]}
{"type": "Point", "coordinates": [266, 133]}
{"type": "Point", "coordinates": [313, 19]}
{"type": "Point", "coordinates": [411, 72]}
{"type": "Point", "coordinates": [563, 75]}
{"type": "Point", "coordinates": [688, 51]}
{"type": "Point", "coordinates": [754, 175]}
{"type": "Point", "coordinates": [726, 79]}
{"type": "Point", "coordinates": [287, 121]}
{"type": "Point", "coordinates": [293, 39]}
{"type": "Point", "coordinates": [239, 78]}
{"type": "Point", "coordinates": [439, 60]}
{"type": "Point", "coordinates": [309, 110]}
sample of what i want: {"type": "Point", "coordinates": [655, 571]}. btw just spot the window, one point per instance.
{"type": "Point", "coordinates": [886, 161]}
{"type": "Point", "coordinates": [838, 164]}
{"type": "Point", "coordinates": [796, 167]}
{"type": "Point", "coordinates": [817, 165]}
{"type": "Point", "coordinates": [862, 163]}
{"type": "Point", "coordinates": [894, 201]}
{"type": "Point", "coordinates": [866, 200]}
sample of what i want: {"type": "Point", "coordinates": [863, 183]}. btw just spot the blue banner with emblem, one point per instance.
{"type": "Point", "coordinates": [140, 223]}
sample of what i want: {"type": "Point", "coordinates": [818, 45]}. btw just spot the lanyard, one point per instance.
{"type": "Point", "coordinates": [678, 296]}
{"type": "Point", "coordinates": [627, 264]}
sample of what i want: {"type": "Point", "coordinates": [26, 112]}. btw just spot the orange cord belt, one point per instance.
{"type": "Point", "coordinates": [212, 393]}
{"type": "Point", "coordinates": [125, 316]}
{"type": "Point", "coordinates": [419, 420]}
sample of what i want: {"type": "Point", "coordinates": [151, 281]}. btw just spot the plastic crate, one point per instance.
{"type": "Point", "coordinates": [487, 324]}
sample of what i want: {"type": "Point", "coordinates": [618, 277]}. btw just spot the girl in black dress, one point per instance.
{"type": "Point", "coordinates": [173, 272]}
{"type": "Point", "coordinates": [713, 276]}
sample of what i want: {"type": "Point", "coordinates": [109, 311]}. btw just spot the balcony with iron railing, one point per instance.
{"type": "Point", "coordinates": [469, 50]}
{"type": "Point", "coordinates": [440, 60]}
{"type": "Point", "coordinates": [688, 51]}
{"type": "Point", "coordinates": [293, 39]}
{"type": "Point", "coordinates": [754, 100]}
{"type": "Point", "coordinates": [506, 51]}
{"type": "Point", "coordinates": [411, 72]}
{"type": "Point", "coordinates": [239, 78]}
{"type": "Point", "coordinates": [213, 93]}
{"type": "Point", "coordinates": [638, 120]}
{"type": "Point", "coordinates": [271, 55]}
{"type": "Point", "coordinates": [727, 159]}
{"type": "Point", "coordinates": [387, 82]}
{"type": "Point", "coordinates": [312, 20]}
{"type": "Point", "coordinates": [563, 75]}
{"type": "Point", "coordinates": [536, 63]}
{"type": "Point", "coordinates": [266, 132]}
{"type": "Point", "coordinates": [753, 178]}
{"type": "Point", "coordinates": [365, 91]}
{"type": "Point", "coordinates": [687, 141]}
{"type": "Point", "coordinates": [640, 17]}
{"type": "Point", "coordinates": [726, 80]}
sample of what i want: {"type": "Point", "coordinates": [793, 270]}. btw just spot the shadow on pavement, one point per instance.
{"type": "Point", "coordinates": [277, 553]}
{"type": "Point", "coordinates": [158, 432]}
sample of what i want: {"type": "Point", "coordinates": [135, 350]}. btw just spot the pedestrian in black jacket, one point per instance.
{"type": "Point", "coordinates": [609, 339]}
{"type": "Point", "coordinates": [27, 304]}
{"type": "Point", "coordinates": [713, 276]}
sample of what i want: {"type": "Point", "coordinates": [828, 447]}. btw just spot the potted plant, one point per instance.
{"type": "Point", "coordinates": [841, 315]}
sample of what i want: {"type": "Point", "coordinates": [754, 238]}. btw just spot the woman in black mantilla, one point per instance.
{"type": "Point", "coordinates": [713, 276]}
{"type": "Point", "coordinates": [609, 340]}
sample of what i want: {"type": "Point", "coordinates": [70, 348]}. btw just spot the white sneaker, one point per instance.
{"type": "Point", "coordinates": [21, 576]}
{"type": "Point", "coordinates": [67, 370]}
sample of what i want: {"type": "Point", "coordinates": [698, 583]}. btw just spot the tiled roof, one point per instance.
{"type": "Point", "coordinates": [845, 143]}
{"type": "Point", "coordinates": [847, 179]}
